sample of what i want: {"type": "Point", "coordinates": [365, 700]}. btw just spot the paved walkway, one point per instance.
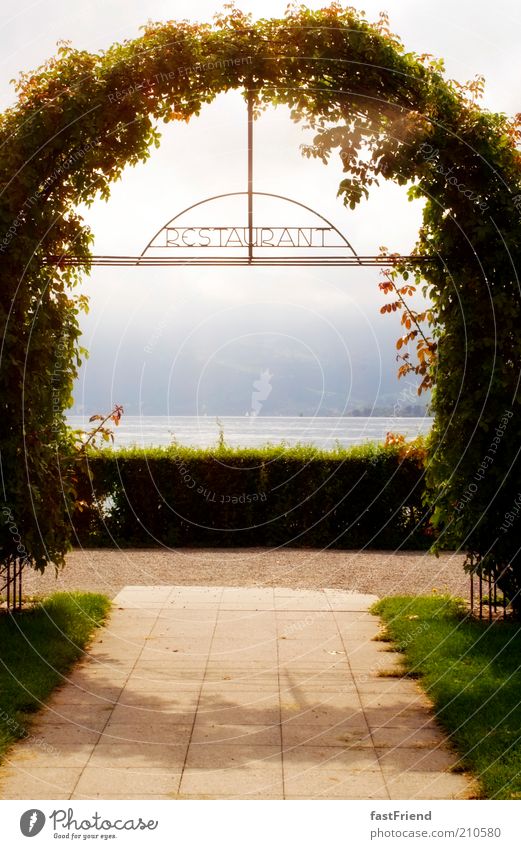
{"type": "Point", "coordinates": [223, 692]}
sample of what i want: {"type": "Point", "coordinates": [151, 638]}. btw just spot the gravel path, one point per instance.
{"type": "Point", "coordinates": [378, 572]}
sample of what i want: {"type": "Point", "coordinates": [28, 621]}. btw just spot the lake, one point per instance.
{"type": "Point", "coordinates": [254, 431]}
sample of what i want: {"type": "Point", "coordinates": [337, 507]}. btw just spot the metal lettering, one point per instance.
{"type": "Point", "coordinates": [237, 237]}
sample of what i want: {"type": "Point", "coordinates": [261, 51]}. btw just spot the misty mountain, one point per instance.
{"type": "Point", "coordinates": [193, 357]}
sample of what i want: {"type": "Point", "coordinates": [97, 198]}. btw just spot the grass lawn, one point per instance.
{"type": "Point", "coordinates": [472, 672]}
{"type": "Point", "coordinates": [36, 647]}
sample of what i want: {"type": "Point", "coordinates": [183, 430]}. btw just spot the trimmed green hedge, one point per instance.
{"type": "Point", "coordinates": [365, 496]}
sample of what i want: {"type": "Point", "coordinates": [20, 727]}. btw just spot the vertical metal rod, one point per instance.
{"type": "Point", "coordinates": [490, 597]}
{"type": "Point", "coordinates": [8, 576]}
{"type": "Point", "coordinates": [503, 594]}
{"type": "Point", "coordinates": [20, 566]}
{"type": "Point", "coordinates": [250, 175]}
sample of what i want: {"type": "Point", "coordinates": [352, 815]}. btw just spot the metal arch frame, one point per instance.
{"type": "Point", "coordinates": [251, 258]}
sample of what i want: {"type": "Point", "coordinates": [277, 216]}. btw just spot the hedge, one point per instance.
{"type": "Point", "coordinates": [274, 496]}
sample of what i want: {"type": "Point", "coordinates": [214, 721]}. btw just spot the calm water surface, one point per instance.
{"type": "Point", "coordinates": [251, 432]}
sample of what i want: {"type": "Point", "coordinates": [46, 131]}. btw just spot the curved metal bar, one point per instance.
{"type": "Point", "coordinates": [244, 194]}
{"type": "Point", "coordinates": [188, 208]}
{"type": "Point", "coordinates": [313, 212]}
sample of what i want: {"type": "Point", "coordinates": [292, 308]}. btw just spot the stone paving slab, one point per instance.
{"type": "Point", "coordinates": [236, 693]}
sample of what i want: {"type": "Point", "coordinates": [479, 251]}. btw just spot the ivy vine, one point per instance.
{"type": "Point", "coordinates": [389, 114]}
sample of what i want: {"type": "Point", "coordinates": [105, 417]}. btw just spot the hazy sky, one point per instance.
{"type": "Point", "coordinates": [209, 327]}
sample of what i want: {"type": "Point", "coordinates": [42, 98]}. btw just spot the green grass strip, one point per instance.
{"type": "Point", "coordinates": [472, 672]}
{"type": "Point", "coordinates": [37, 647]}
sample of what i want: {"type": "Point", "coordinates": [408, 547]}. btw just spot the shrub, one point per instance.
{"type": "Point", "coordinates": [366, 496]}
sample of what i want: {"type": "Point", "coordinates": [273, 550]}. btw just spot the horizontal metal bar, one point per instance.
{"type": "Point", "coordinates": [124, 261]}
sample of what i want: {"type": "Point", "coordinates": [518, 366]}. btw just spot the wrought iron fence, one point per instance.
{"type": "Point", "coordinates": [487, 600]}
{"type": "Point", "coordinates": [11, 574]}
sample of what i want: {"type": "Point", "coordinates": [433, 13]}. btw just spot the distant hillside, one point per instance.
{"type": "Point", "coordinates": [258, 360]}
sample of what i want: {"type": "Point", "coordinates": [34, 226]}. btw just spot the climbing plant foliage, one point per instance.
{"type": "Point", "coordinates": [389, 114]}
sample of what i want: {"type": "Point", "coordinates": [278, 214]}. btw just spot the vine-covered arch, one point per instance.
{"type": "Point", "coordinates": [82, 117]}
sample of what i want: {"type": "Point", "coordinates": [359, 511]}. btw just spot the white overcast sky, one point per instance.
{"type": "Point", "coordinates": [473, 37]}
{"type": "Point", "coordinates": [207, 157]}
